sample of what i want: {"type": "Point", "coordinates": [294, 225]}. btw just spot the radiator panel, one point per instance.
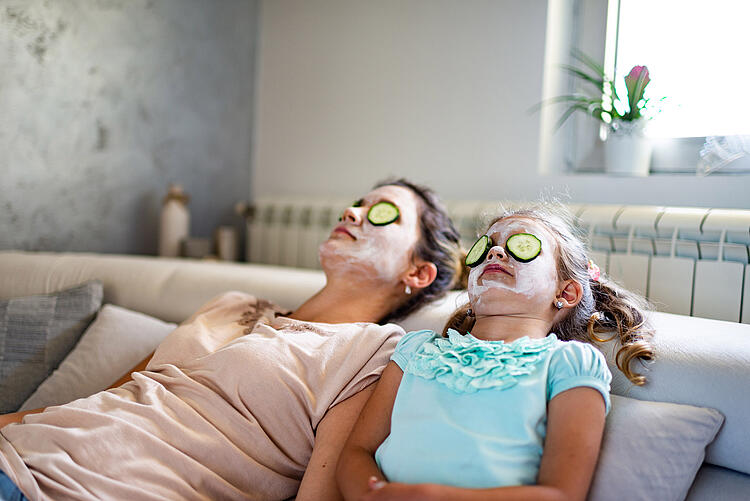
{"type": "Point", "coordinates": [685, 260]}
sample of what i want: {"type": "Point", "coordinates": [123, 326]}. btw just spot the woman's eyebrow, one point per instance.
{"type": "Point", "coordinates": [382, 199]}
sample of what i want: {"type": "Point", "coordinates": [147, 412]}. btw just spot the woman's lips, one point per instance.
{"type": "Point", "coordinates": [495, 268]}
{"type": "Point", "coordinates": [342, 229]}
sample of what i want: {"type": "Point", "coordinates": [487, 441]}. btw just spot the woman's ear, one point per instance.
{"type": "Point", "coordinates": [571, 293]}
{"type": "Point", "coordinates": [420, 275]}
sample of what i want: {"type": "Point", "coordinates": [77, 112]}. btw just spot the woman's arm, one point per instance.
{"type": "Point", "coordinates": [141, 366]}
{"type": "Point", "coordinates": [17, 417]}
{"type": "Point", "coordinates": [574, 431]}
{"type": "Point", "coordinates": [357, 463]}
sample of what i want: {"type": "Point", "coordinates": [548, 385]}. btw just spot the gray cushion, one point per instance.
{"type": "Point", "coordinates": [652, 450]}
{"type": "Point", "coordinates": [36, 333]}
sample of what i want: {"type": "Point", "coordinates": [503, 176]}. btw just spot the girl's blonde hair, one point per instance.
{"type": "Point", "coordinates": [605, 308]}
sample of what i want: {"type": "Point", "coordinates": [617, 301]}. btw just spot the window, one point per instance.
{"type": "Point", "coordinates": [697, 56]}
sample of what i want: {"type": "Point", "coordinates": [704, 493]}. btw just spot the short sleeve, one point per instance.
{"type": "Point", "coordinates": [577, 364]}
{"type": "Point", "coordinates": [408, 346]}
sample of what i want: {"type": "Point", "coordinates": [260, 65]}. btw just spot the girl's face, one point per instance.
{"type": "Point", "coordinates": [502, 285]}
{"type": "Point", "coordinates": [368, 252]}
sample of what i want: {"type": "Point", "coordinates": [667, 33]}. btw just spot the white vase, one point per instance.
{"type": "Point", "coordinates": [174, 223]}
{"type": "Point", "coordinates": [627, 151]}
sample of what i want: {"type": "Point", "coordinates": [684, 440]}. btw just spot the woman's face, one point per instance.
{"type": "Point", "coordinates": [503, 285]}
{"type": "Point", "coordinates": [368, 252]}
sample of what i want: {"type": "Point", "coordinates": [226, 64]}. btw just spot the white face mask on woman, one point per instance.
{"type": "Point", "coordinates": [368, 252]}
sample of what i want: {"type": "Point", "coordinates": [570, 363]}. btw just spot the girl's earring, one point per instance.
{"type": "Point", "coordinates": [558, 304]}
{"type": "Point", "coordinates": [469, 312]}
{"type": "Point", "coordinates": [407, 289]}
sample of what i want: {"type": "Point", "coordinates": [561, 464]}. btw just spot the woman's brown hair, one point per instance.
{"type": "Point", "coordinates": [605, 308]}
{"type": "Point", "coordinates": [438, 243]}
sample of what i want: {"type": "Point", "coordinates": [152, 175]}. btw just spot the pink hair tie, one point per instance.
{"type": "Point", "coordinates": [594, 273]}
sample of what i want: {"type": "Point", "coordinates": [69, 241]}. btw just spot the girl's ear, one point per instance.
{"type": "Point", "coordinates": [571, 293]}
{"type": "Point", "coordinates": [420, 275]}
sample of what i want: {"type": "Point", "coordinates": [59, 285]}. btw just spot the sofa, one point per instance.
{"type": "Point", "coordinates": [696, 386]}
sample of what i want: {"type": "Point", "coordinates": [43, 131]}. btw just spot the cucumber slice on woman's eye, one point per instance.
{"type": "Point", "coordinates": [524, 247]}
{"type": "Point", "coordinates": [382, 213]}
{"type": "Point", "coordinates": [478, 251]}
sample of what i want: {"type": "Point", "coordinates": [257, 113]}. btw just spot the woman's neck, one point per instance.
{"type": "Point", "coordinates": [343, 301]}
{"type": "Point", "coordinates": [510, 327]}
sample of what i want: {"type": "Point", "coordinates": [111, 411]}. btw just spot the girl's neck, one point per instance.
{"type": "Point", "coordinates": [342, 301]}
{"type": "Point", "coordinates": [508, 328]}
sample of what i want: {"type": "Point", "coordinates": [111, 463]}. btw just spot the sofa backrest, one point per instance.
{"type": "Point", "coordinates": [169, 289]}
{"type": "Point", "coordinates": [699, 361]}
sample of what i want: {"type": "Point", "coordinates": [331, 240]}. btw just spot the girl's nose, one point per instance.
{"type": "Point", "coordinates": [497, 252]}
{"type": "Point", "coordinates": [352, 215]}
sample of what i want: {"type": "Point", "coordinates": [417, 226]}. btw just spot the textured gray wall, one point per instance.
{"type": "Point", "coordinates": [103, 103]}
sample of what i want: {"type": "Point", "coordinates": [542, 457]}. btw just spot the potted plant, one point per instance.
{"type": "Point", "coordinates": [627, 151]}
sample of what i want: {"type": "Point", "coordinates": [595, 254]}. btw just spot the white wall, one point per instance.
{"type": "Point", "coordinates": [350, 92]}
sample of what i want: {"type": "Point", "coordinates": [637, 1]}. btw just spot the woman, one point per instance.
{"type": "Point", "coordinates": [239, 401]}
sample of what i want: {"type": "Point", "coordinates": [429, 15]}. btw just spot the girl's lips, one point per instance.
{"type": "Point", "coordinates": [495, 268]}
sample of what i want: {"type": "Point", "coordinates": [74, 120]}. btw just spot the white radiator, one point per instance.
{"type": "Point", "coordinates": [691, 261]}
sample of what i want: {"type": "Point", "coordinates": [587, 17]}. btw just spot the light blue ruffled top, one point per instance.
{"type": "Point", "coordinates": [473, 413]}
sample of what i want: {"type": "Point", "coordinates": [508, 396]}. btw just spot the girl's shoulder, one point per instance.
{"type": "Point", "coordinates": [576, 353]}
{"type": "Point", "coordinates": [574, 363]}
{"type": "Point", "coordinates": [409, 344]}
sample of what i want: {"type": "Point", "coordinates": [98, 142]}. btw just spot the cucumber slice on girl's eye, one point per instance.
{"type": "Point", "coordinates": [478, 251]}
{"type": "Point", "coordinates": [524, 247]}
{"type": "Point", "coordinates": [382, 213]}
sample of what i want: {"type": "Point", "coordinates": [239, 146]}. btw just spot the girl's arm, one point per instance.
{"type": "Point", "coordinates": [575, 425]}
{"type": "Point", "coordinates": [319, 480]}
{"type": "Point", "coordinates": [357, 461]}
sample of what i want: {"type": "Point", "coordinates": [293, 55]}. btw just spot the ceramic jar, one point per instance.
{"type": "Point", "coordinates": [174, 223]}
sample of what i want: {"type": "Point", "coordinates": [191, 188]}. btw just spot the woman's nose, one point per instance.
{"type": "Point", "coordinates": [352, 215]}
{"type": "Point", "coordinates": [497, 252]}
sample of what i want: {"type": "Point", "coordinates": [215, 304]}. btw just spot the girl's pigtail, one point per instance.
{"type": "Point", "coordinates": [460, 321]}
{"type": "Point", "coordinates": [621, 311]}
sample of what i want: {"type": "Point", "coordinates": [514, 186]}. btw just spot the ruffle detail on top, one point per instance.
{"type": "Point", "coordinates": [466, 364]}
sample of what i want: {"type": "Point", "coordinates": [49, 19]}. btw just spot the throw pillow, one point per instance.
{"type": "Point", "coordinates": [36, 332]}
{"type": "Point", "coordinates": [652, 450]}
{"type": "Point", "coordinates": [114, 343]}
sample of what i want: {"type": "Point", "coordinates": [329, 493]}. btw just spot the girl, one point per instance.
{"type": "Point", "coordinates": [514, 409]}
{"type": "Point", "coordinates": [243, 401]}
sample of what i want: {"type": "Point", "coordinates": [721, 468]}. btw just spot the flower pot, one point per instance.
{"type": "Point", "coordinates": [627, 152]}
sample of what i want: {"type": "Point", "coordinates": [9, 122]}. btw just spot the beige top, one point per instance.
{"type": "Point", "coordinates": [227, 408]}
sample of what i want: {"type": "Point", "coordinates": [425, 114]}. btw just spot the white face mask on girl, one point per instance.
{"type": "Point", "coordinates": [368, 252]}
{"type": "Point", "coordinates": [502, 282]}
